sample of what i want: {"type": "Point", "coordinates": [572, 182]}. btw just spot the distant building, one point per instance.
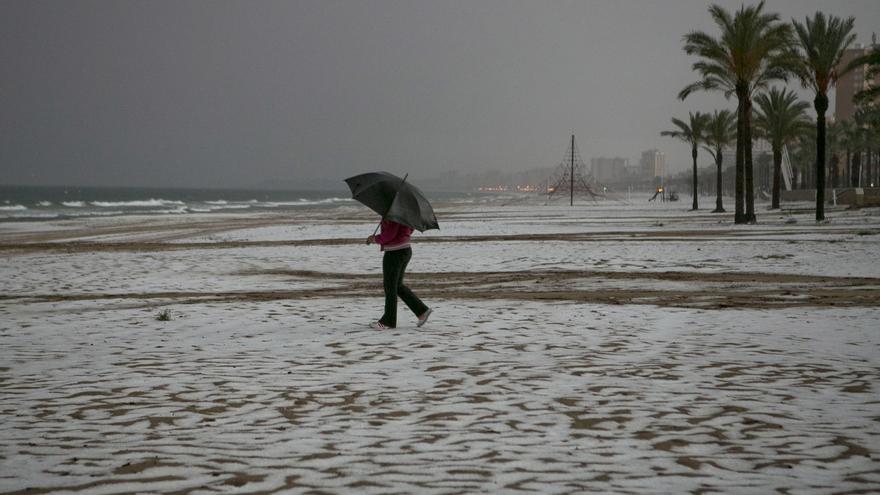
{"type": "Point", "coordinates": [653, 164]}
{"type": "Point", "coordinates": [851, 83]}
{"type": "Point", "coordinates": [759, 147]}
{"type": "Point", "coordinates": [762, 156]}
{"type": "Point", "coordinates": [609, 170]}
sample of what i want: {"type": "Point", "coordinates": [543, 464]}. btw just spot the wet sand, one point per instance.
{"type": "Point", "coordinates": [711, 291]}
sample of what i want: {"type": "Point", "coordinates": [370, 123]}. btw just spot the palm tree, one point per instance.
{"type": "Point", "coordinates": [833, 146]}
{"type": "Point", "coordinates": [868, 115]}
{"type": "Point", "coordinates": [691, 132]}
{"type": "Point", "coordinates": [823, 41]}
{"type": "Point", "coordinates": [720, 132]}
{"type": "Point", "coordinates": [847, 139]}
{"type": "Point", "coordinates": [753, 50]}
{"type": "Point", "coordinates": [805, 152]}
{"type": "Point", "coordinates": [869, 118]}
{"type": "Point", "coordinates": [780, 118]}
{"type": "Point", "coordinates": [861, 143]}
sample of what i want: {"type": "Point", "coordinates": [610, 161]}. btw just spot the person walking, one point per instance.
{"type": "Point", "coordinates": [393, 239]}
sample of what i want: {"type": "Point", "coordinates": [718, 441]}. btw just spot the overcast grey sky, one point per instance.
{"type": "Point", "coordinates": [234, 93]}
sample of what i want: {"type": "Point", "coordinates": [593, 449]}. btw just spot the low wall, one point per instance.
{"type": "Point", "coordinates": [859, 196]}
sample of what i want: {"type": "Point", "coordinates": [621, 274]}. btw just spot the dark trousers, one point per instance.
{"type": "Point", "coordinates": [393, 267]}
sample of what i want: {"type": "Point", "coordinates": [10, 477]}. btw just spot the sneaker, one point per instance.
{"type": "Point", "coordinates": [378, 325]}
{"type": "Point", "coordinates": [424, 318]}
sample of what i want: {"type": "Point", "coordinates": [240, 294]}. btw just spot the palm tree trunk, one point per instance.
{"type": "Point", "coordinates": [835, 170]}
{"type": "Point", "coordinates": [876, 178]}
{"type": "Point", "coordinates": [873, 179]}
{"type": "Point", "coordinates": [870, 168]}
{"type": "Point", "coordinates": [871, 171]}
{"type": "Point", "coordinates": [719, 158]}
{"type": "Point", "coordinates": [777, 175]}
{"type": "Point", "coordinates": [750, 184]}
{"type": "Point", "coordinates": [695, 207]}
{"type": "Point", "coordinates": [847, 170]}
{"type": "Point", "coordinates": [857, 169]}
{"type": "Point", "coordinates": [820, 103]}
{"type": "Point", "coordinates": [876, 168]}
{"type": "Point", "coordinates": [739, 214]}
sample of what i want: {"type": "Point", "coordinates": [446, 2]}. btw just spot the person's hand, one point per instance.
{"type": "Point", "coordinates": [371, 240]}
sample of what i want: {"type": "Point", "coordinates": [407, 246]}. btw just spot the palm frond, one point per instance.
{"type": "Point", "coordinates": [780, 116]}
{"type": "Point", "coordinates": [720, 131]}
{"type": "Point", "coordinates": [823, 41]}
{"type": "Point", "coordinates": [871, 62]}
{"type": "Point", "coordinates": [703, 85]}
{"type": "Point", "coordinates": [691, 132]}
{"type": "Point", "coordinates": [871, 59]}
{"type": "Point", "coordinates": [753, 48]}
{"type": "Point", "coordinates": [867, 95]}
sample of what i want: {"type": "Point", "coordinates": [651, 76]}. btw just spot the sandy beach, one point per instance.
{"type": "Point", "coordinates": [606, 347]}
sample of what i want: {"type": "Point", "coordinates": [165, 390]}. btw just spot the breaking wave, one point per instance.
{"type": "Point", "coordinates": [148, 203]}
{"type": "Point", "coordinates": [305, 202]}
{"type": "Point", "coordinates": [22, 203]}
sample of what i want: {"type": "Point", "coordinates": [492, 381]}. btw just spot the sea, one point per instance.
{"type": "Point", "coordinates": [34, 203]}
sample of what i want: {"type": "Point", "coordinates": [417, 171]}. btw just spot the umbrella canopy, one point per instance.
{"type": "Point", "coordinates": [394, 199]}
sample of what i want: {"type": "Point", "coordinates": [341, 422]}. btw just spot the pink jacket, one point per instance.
{"type": "Point", "coordinates": [393, 236]}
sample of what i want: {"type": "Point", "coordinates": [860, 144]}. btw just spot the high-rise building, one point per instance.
{"type": "Point", "coordinates": [653, 163]}
{"type": "Point", "coordinates": [851, 83]}
{"type": "Point", "coordinates": [609, 170]}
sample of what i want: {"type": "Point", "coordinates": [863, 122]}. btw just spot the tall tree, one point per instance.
{"type": "Point", "coordinates": [823, 41]}
{"type": "Point", "coordinates": [869, 118]}
{"type": "Point", "coordinates": [780, 118]}
{"type": "Point", "coordinates": [868, 114]}
{"type": "Point", "coordinates": [834, 144]}
{"type": "Point", "coordinates": [862, 144]}
{"type": "Point", "coordinates": [804, 154]}
{"type": "Point", "coordinates": [754, 48]}
{"type": "Point", "coordinates": [847, 139]}
{"type": "Point", "coordinates": [691, 132]}
{"type": "Point", "coordinates": [720, 132]}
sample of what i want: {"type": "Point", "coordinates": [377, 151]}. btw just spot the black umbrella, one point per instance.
{"type": "Point", "coordinates": [393, 199]}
